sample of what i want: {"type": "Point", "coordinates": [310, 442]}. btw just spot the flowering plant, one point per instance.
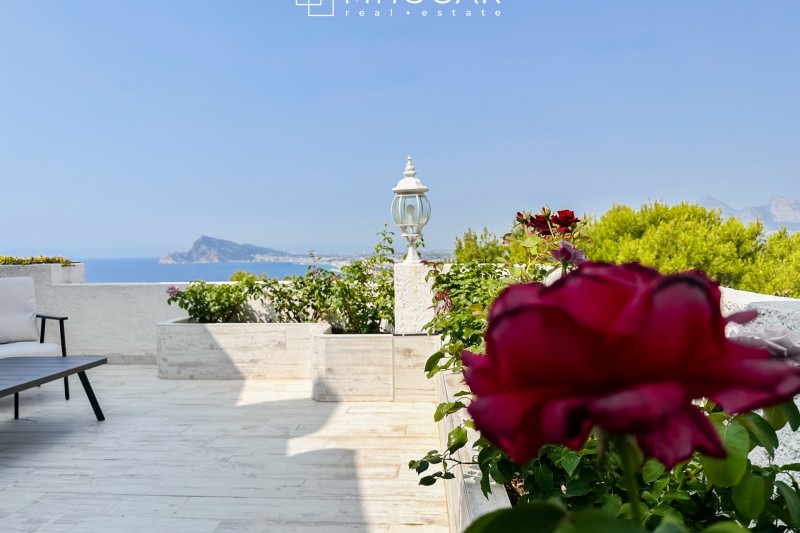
{"type": "Point", "coordinates": [615, 394]}
{"type": "Point", "coordinates": [545, 242]}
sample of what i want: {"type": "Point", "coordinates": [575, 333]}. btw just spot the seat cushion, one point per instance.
{"type": "Point", "coordinates": [15, 349]}
{"type": "Point", "coordinates": [17, 310]}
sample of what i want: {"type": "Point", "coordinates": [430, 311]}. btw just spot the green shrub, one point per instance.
{"type": "Point", "coordinates": [209, 303]}
{"type": "Point", "coordinates": [362, 299]}
{"type": "Point", "coordinates": [37, 260]}
{"type": "Point", "coordinates": [677, 238]}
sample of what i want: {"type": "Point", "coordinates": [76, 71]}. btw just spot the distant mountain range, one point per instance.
{"type": "Point", "coordinates": [779, 212]}
{"type": "Point", "coordinates": [210, 250]}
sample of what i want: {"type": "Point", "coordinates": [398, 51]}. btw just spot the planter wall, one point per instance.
{"type": "Point", "coordinates": [187, 350]}
{"type": "Point", "coordinates": [351, 368]}
{"type": "Point", "coordinates": [465, 500]}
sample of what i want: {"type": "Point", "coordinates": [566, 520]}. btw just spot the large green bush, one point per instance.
{"type": "Point", "coordinates": [677, 238]}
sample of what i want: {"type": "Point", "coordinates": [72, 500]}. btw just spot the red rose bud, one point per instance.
{"type": "Point", "coordinates": [621, 347]}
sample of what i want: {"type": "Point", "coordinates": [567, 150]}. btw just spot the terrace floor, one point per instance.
{"type": "Point", "coordinates": [212, 456]}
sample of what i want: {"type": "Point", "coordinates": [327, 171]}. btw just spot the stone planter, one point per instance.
{"type": "Point", "coordinates": [46, 274]}
{"type": "Point", "coordinates": [465, 500]}
{"type": "Point", "coordinates": [188, 350]}
{"type": "Point", "coordinates": [348, 368]}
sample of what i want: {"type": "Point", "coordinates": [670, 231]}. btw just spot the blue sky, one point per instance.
{"type": "Point", "coordinates": [131, 128]}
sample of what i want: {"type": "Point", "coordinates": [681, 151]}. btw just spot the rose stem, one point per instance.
{"type": "Point", "coordinates": [629, 475]}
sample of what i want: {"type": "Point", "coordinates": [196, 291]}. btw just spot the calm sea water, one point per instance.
{"type": "Point", "coordinates": [148, 269]}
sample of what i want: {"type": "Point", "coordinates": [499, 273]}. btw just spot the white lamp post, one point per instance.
{"type": "Point", "coordinates": [411, 210]}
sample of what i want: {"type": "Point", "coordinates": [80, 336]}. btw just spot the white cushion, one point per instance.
{"type": "Point", "coordinates": [29, 348]}
{"type": "Point", "coordinates": [17, 310]}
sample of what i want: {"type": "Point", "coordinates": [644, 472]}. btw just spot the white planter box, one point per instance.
{"type": "Point", "coordinates": [188, 350]}
{"type": "Point", "coordinates": [347, 368]}
{"type": "Point", "coordinates": [45, 274]}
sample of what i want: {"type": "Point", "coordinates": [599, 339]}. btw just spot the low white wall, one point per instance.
{"type": "Point", "coordinates": [113, 319]}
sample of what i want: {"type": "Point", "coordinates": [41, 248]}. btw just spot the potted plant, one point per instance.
{"type": "Point", "coordinates": [44, 270]}
{"type": "Point", "coordinates": [228, 335]}
{"type": "Point", "coordinates": [352, 360]}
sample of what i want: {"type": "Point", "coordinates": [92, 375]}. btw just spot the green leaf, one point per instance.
{"type": "Point", "coordinates": [486, 486]}
{"type": "Point", "coordinates": [668, 525]}
{"type": "Point", "coordinates": [569, 462]}
{"type": "Point", "coordinates": [652, 470]}
{"type": "Point", "coordinates": [673, 495]}
{"type": "Point", "coordinates": [531, 241]}
{"type": "Point", "coordinates": [422, 466]}
{"type": "Point", "coordinates": [727, 472]}
{"type": "Point", "coordinates": [539, 517]}
{"type": "Point", "coordinates": [725, 527]}
{"type": "Point", "coordinates": [446, 408]}
{"type": "Point", "coordinates": [748, 496]}
{"type": "Point", "coordinates": [612, 503]}
{"type": "Point", "coordinates": [433, 360]}
{"type": "Point", "coordinates": [760, 431]}
{"type": "Point", "coordinates": [595, 521]}
{"type": "Point", "coordinates": [427, 481]}
{"type": "Point", "coordinates": [544, 477]}
{"type": "Point", "coordinates": [456, 439]}
{"type": "Point", "coordinates": [792, 414]}
{"type": "Point", "coordinates": [578, 487]}
{"type": "Point", "coordinates": [503, 471]}
{"type": "Point", "coordinates": [775, 417]}
{"type": "Point", "coordinates": [793, 467]}
{"type": "Point", "coordinates": [792, 501]}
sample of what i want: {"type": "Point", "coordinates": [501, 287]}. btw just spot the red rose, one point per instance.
{"type": "Point", "coordinates": [565, 219]}
{"type": "Point", "coordinates": [541, 224]}
{"type": "Point", "coordinates": [621, 347]}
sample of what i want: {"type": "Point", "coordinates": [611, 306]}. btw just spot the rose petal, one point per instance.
{"type": "Point", "coordinates": [537, 345]}
{"type": "Point", "coordinates": [680, 435]}
{"type": "Point", "coordinates": [508, 420]}
{"type": "Point", "coordinates": [640, 409]}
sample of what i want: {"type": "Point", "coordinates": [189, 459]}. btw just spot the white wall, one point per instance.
{"type": "Point", "coordinates": [119, 319]}
{"type": "Point", "coordinates": [114, 319]}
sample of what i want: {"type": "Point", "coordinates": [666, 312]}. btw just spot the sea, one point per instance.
{"type": "Point", "coordinates": [149, 270]}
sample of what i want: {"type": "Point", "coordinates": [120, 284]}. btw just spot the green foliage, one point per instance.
{"type": "Point", "coordinates": [358, 300]}
{"type": "Point", "coordinates": [211, 302]}
{"type": "Point", "coordinates": [362, 299]}
{"type": "Point", "coordinates": [776, 270]}
{"type": "Point", "coordinates": [301, 298]}
{"type": "Point", "coordinates": [37, 260]}
{"type": "Point", "coordinates": [483, 248]}
{"type": "Point", "coordinates": [702, 494]}
{"type": "Point", "coordinates": [677, 238]}
{"type": "Point", "coordinates": [687, 236]}
{"type": "Point", "coordinates": [463, 294]}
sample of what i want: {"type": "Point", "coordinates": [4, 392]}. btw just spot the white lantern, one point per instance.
{"type": "Point", "coordinates": [411, 209]}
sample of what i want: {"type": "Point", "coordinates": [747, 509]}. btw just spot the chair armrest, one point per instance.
{"type": "Point", "coordinates": [61, 320]}
{"type": "Point", "coordinates": [50, 317]}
